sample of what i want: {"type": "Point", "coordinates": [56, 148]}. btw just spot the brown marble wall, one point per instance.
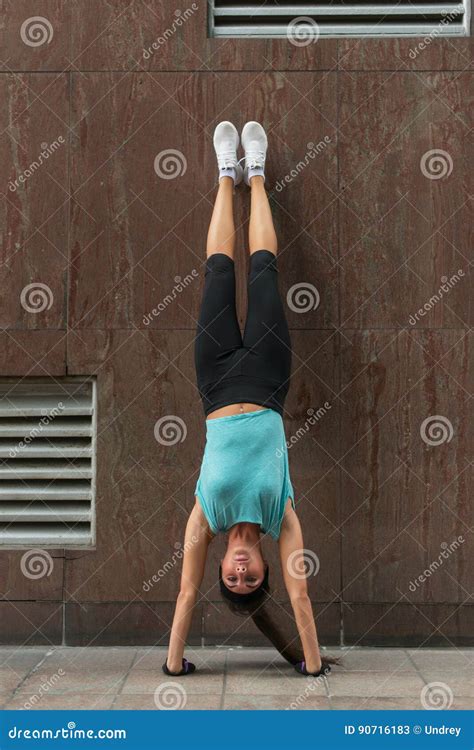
{"type": "Point", "coordinates": [371, 222]}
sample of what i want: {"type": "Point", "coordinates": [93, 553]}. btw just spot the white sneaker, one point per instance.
{"type": "Point", "coordinates": [255, 143]}
{"type": "Point", "coordinates": [226, 143]}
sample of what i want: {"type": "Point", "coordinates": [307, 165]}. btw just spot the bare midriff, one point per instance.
{"type": "Point", "coordinates": [231, 409]}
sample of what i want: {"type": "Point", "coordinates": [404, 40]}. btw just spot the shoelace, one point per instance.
{"type": "Point", "coordinates": [255, 159]}
{"type": "Point", "coordinates": [227, 160]}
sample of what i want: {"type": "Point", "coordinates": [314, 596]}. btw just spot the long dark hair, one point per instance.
{"type": "Point", "coordinates": [275, 623]}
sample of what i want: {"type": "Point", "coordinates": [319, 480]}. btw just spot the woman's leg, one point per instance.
{"type": "Point", "coordinates": [266, 331]}
{"type": "Point", "coordinates": [262, 234]}
{"type": "Point", "coordinates": [218, 333]}
{"type": "Point", "coordinates": [221, 234]}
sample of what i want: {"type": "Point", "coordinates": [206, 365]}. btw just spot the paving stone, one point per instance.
{"type": "Point", "coordinates": [448, 660]}
{"type": "Point", "coordinates": [276, 703]}
{"type": "Point", "coordinates": [147, 681]}
{"type": "Point", "coordinates": [273, 681]}
{"type": "Point", "coordinates": [376, 704]}
{"type": "Point", "coordinates": [83, 680]}
{"type": "Point", "coordinates": [48, 702]}
{"type": "Point", "coordinates": [85, 658]}
{"type": "Point", "coordinates": [374, 684]}
{"type": "Point", "coordinates": [146, 702]}
{"type": "Point", "coordinates": [461, 684]}
{"type": "Point", "coordinates": [368, 660]}
{"type": "Point", "coordinates": [21, 657]}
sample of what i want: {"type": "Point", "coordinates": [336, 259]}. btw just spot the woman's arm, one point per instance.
{"type": "Point", "coordinates": [291, 544]}
{"type": "Point", "coordinates": [196, 543]}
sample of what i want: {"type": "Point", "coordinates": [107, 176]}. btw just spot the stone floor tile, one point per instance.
{"type": "Point", "coordinates": [48, 702]}
{"type": "Point", "coordinates": [275, 703]}
{"type": "Point", "coordinates": [375, 684]}
{"type": "Point", "coordinates": [73, 681]}
{"type": "Point", "coordinates": [448, 660]}
{"type": "Point", "coordinates": [142, 681]}
{"type": "Point", "coordinates": [146, 702]}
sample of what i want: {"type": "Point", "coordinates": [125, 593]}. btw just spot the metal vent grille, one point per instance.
{"type": "Point", "coordinates": [301, 22]}
{"type": "Point", "coordinates": [47, 462]}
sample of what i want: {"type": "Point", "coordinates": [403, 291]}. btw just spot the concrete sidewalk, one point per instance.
{"type": "Point", "coordinates": [233, 678]}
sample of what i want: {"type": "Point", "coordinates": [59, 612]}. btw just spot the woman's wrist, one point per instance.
{"type": "Point", "coordinates": [174, 665]}
{"type": "Point", "coordinates": [313, 666]}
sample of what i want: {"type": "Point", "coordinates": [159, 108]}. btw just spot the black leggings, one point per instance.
{"type": "Point", "coordinates": [255, 369]}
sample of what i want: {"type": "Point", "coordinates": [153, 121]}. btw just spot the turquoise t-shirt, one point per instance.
{"type": "Point", "coordinates": [244, 473]}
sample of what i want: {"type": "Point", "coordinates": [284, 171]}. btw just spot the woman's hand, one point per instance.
{"type": "Point", "coordinates": [186, 668]}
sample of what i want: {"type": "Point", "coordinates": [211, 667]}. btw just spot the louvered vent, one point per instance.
{"type": "Point", "coordinates": [47, 462]}
{"type": "Point", "coordinates": [300, 21]}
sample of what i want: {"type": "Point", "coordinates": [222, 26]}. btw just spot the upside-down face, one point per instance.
{"type": "Point", "coordinates": [243, 568]}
